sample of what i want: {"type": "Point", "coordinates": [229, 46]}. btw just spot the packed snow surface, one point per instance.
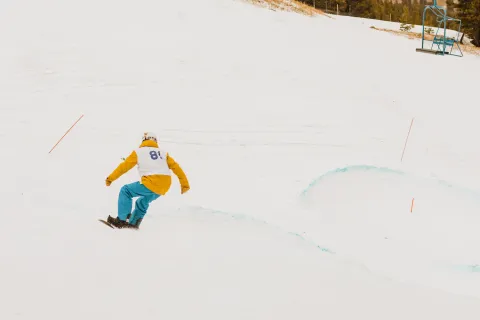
{"type": "Point", "coordinates": [291, 131]}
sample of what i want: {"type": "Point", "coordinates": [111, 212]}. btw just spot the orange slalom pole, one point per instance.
{"type": "Point", "coordinates": [411, 124]}
{"type": "Point", "coordinates": [66, 133]}
{"type": "Point", "coordinates": [411, 208]}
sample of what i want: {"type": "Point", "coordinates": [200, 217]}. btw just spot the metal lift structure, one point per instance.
{"type": "Point", "coordinates": [444, 44]}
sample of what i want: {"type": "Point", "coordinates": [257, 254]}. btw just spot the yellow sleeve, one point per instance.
{"type": "Point", "coordinates": [123, 167]}
{"type": "Point", "coordinates": [175, 167]}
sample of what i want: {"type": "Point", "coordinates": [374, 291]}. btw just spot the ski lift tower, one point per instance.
{"type": "Point", "coordinates": [440, 39]}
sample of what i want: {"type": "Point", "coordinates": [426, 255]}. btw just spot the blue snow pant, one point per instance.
{"type": "Point", "coordinates": [130, 191]}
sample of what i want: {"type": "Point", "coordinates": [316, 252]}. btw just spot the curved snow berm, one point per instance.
{"type": "Point", "coordinates": [403, 225]}
{"type": "Point", "coordinates": [194, 263]}
{"type": "Point", "coordinates": [381, 193]}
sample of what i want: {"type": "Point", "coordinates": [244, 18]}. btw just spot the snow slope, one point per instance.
{"type": "Point", "coordinates": [260, 108]}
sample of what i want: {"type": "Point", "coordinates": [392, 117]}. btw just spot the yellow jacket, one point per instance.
{"type": "Point", "coordinates": [159, 184]}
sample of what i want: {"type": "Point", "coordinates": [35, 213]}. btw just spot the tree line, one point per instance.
{"type": "Point", "coordinates": [409, 12]}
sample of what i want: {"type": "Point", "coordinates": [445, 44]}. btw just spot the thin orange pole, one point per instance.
{"type": "Point", "coordinates": [411, 208]}
{"type": "Point", "coordinates": [66, 133]}
{"type": "Point", "coordinates": [411, 124]}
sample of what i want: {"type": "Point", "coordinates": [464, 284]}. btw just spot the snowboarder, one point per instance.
{"type": "Point", "coordinates": [154, 167]}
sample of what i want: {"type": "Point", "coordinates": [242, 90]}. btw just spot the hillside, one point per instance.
{"type": "Point", "coordinates": [291, 130]}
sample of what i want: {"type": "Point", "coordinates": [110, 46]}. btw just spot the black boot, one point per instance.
{"type": "Point", "coordinates": [136, 225]}
{"type": "Point", "coordinates": [117, 222]}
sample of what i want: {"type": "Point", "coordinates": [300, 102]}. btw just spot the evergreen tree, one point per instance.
{"type": "Point", "coordinates": [377, 10]}
{"type": "Point", "coordinates": [397, 11]}
{"type": "Point", "coordinates": [388, 10]}
{"type": "Point", "coordinates": [451, 8]}
{"type": "Point", "coordinates": [469, 12]}
{"type": "Point", "coordinates": [417, 12]}
{"type": "Point", "coordinates": [405, 17]}
{"type": "Point", "coordinates": [362, 8]}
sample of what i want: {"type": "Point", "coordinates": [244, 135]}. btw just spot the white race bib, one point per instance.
{"type": "Point", "coordinates": [152, 161]}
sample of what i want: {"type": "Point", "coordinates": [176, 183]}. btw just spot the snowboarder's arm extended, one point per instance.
{"type": "Point", "coordinates": [123, 167]}
{"type": "Point", "coordinates": [182, 178]}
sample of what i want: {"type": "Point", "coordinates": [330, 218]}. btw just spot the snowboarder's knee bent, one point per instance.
{"type": "Point", "coordinates": [125, 191]}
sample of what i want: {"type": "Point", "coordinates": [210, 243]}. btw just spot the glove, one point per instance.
{"type": "Point", "coordinates": [108, 182]}
{"type": "Point", "coordinates": [185, 189]}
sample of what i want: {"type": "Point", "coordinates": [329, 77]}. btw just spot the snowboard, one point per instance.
{"type": "Point", "coordinates": [112, 226]}
{"type": "Point", "coordinates": [105, 222]}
